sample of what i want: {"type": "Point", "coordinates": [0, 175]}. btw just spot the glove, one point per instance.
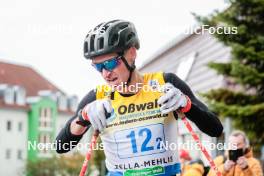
{"type": "Point", "coordinates": [96, 112]}
{"type": "Point", "coordinates": [173, 99]}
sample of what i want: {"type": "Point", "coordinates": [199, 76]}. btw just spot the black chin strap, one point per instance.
{"type": "Point", "coordinates": [130, 69]}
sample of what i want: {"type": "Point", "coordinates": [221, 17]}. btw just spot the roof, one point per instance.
{"type": "Point", "coordinates": [13, 106]}
{"type": "Point", "coordinates": [26, 77]}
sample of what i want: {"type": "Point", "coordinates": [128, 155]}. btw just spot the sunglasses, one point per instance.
{"type": "Point", "coordinates": [108, 65]}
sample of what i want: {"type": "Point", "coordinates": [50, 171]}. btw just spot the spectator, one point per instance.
{"type": "Point", "coordinates": [196, 168]}
{"type": "Point", "coordinates": [245, 165]}
{"type": "Point", "coordinates": [219, 160]}
{"type": "Point", "coordinates": [184, 159]}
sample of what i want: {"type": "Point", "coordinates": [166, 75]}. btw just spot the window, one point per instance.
{"type": "Point", "coordinates": [9, 95]}
{"type": "Point", "coordinates": [20, 95]}
{"type": "Point", "coordinates": [62, 102]}
{"type": "Point", "coordinates": [19, 154]}
{"type": "Point", "coordinates": [20, 126]}
{"type": "Point", "coordinates": [45, 120]}
{"type": "Point", "coordinates": [8, 125]}
{"type": "Point", "coordinates": [8, 153]}
{"type": "Point", "coordinates": [44, 138]}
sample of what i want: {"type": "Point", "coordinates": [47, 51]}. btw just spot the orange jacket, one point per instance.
{"type": "Point", "coordinates": [254, 168]}
{"type": "Point", "coordinates": [219, 160]}
{"type": "Point", "coordinates": [194, 170]}
{"type": "Point", "coordinates": [184, 168]}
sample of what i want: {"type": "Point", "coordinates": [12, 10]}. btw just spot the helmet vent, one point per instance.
{"type": "Point", "coordinates": [106, 26]}
{"type": "Point", "coordinates": [101, 43]}
{"type": "Point", "coordinates": [123, 26]}
{"type": "Point", "coordinates": [97, 27]}
{"type": "Point", "coordinates": [85, 47]}
{"type": "Point", "coordinates": [113, 39]}
{"type": "Point", "coordinates": [92, 43]}
{"type": "Point", "coordinates": [131, 35]}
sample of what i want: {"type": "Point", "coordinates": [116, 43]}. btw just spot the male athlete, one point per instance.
{"type": "Point", "coordinates": [142, 121]}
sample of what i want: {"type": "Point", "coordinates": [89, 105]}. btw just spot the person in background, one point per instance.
{"type": "Point", "coordinates": [185, 158]}
{"type": "Point", "coordinates": [219, 160]}
{"type": "Point", "coordinates": [240, 163]}
{"type": "Point", "coordinates": [195, 168]}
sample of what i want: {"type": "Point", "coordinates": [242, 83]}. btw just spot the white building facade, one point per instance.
{"type": "Point", "coordinates": [31, 110]}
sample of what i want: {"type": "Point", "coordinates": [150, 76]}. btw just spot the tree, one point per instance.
{"type": "Point", "coordinates": [98, 157]}
{"type": "Point", "coordinates": [244, 103]}
{"type": "Point", "coordinates": [56, 165]}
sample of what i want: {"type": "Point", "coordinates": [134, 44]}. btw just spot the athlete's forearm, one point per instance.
{"type": "Point", "coordinates": [205, 120]}
{"type": "Point", "coordinates": [68, 139]}
{"type": "Point", "coordinates": [72, 133]}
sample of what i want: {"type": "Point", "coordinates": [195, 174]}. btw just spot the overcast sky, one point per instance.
{"type": "Point", "coordinates": [48, 35]}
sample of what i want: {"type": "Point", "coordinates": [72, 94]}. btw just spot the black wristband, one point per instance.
{"type": "Point", "coordinates": [81, 121]}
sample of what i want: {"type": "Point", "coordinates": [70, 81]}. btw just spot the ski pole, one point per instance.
{"type": "Point", "coordinates": [91, 147]}
{"type": "Point", "coordinates": [197, 140]}
{"type": "Point", "coordinates": [89, 153]}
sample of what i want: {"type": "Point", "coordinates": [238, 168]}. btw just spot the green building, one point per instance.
{"type": "Point", "coordinates": [32, 112]}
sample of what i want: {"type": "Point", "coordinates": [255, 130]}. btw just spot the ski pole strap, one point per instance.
{"type": "Point", "coordinates": [89, 153]}
{"type": "Point", "coordinates": [197, 140]}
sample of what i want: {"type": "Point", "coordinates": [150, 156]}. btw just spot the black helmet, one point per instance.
{"type": "Point", "coordinates": [113, 36]}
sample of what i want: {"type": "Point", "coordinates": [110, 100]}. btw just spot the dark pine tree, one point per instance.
{"type": "Point", "coordinates": [243, 103]}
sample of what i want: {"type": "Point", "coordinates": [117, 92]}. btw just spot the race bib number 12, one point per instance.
{"type": "Point", "coordinates": [143, 140]}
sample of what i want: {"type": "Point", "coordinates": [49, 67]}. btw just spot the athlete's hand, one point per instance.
{"type": "Point", "coordinates": [95, 113]}
{"type": "Point", "coordinates": [173, 99]}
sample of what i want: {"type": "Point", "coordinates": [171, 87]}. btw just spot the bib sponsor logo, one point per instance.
{"type": "Point", "coordinates": [154, 84]}
{"type": "Point", "coordinates": [123, 109]}
{"type": "Point", "coordinates": [148, 171]}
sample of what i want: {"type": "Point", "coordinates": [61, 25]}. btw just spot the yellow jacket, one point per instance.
{"type": "Point", "coordinates": [254, 168]}
{"type": "Point", "coordinates": [219, 160]}
{"type": "Point", "coordinates": [194, 170]}
{"type": "Point", "coordinates": [184, 168]}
